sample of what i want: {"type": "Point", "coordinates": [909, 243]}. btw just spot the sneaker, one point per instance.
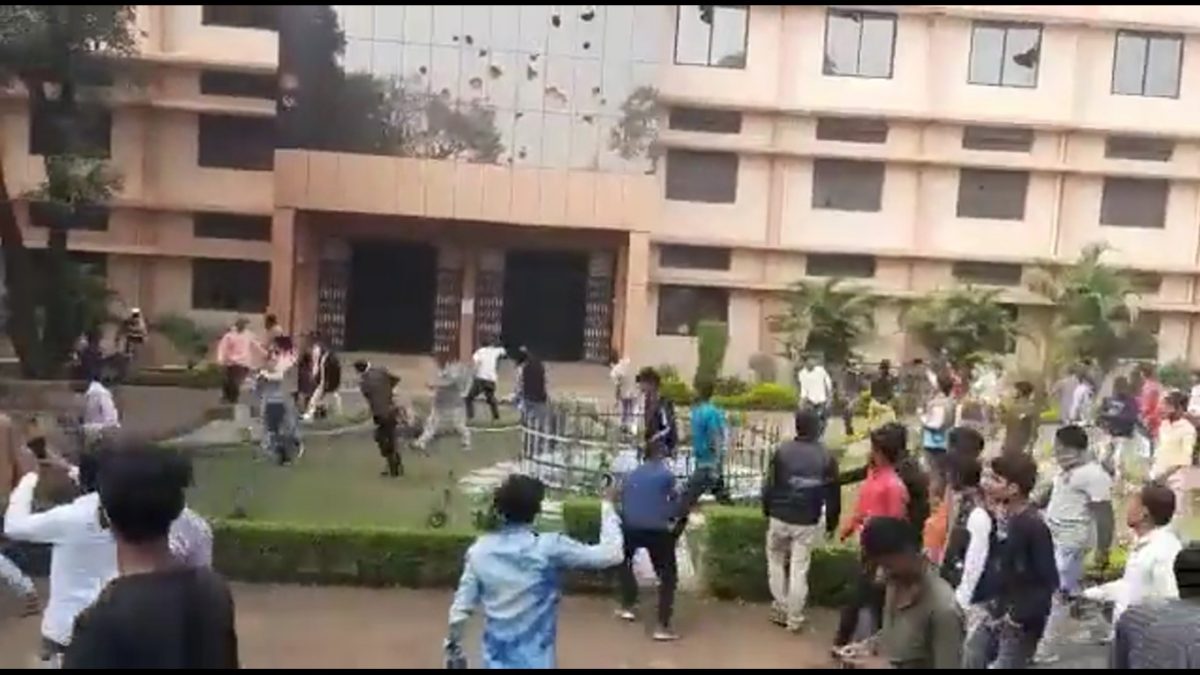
{"type": "Point", "coordinates": [662, 634]}
{"type": "Point", "coordinates": [626, 615]}
{"type": "Point", "coordinates": [778, 617]}
{"type": "Point", "coordinates": [1045, 658]}
{"type": "Point", "coordinates": [795, 627]}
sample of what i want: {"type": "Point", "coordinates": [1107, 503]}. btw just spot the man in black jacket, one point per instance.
{"type": "Point", "coordinates": [800, 486]}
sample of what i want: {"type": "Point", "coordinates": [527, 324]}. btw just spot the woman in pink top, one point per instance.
{"type": "Point", "coordinates": [235, 354]}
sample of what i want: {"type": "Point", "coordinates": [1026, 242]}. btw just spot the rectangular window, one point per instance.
{"type": "Point", "coordinates": [91, 218]}
{"type": "Point", "coordinates": [706, 120]}
{"type": "Point", "coordinates": [694, 257]}
{"type": "Point", "coordinates": [1147, 64]}
{"type": "Point", "coordinates": [240, 16]}
{"type": "Point", "coordinates": [859, 44]}
{"type": "Point", "coordinates": [241, 85]}
{"type": "Point", "coordinates": [1005, 54]}
{"type": "Point", "coordinates": [696, 176]}
{"type": "Point", "coordinates": [987, 273]}
{"type": "Point", "coordinates": [1134, 202]}
{"type": "Point", "coordinates": [847, 185]}
{"type": "Point", "coordinates": [852, 129]}
{"type": "Point", "coordinates": [1001, 139]}
{"type": "Point", "coordinates": [992, 193]}
{"type": "Point", "coordinates": [230, 285]}
{"type": "Point", "coordinates": [229, 142]}
{"type": "Point", "coordinates": [1146, 148]}
{"type": "Point", "coordinates": [231, 226]}
{"type": "Point", "coordinates": [1145, 283]}
{"type": "Point", "coordinates": [88, 132]}
{"type": "Point", "coordinates": [682, 308]}
{"type": "Point", "coordinates": [838, 265]}
{"type": "Point", "coordinates": [711, 35]}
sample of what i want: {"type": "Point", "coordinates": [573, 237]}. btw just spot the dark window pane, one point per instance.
{"type": "Point", "coordinates": [681, 308]}
{"type": "Point", "coordinates": [87, 132]}
{"type": "Point", "coordinates": [1008, 139]}
{"type": "Point", "coordinates": [852, 129]}
{"type": "Point", "coordinates": [244, 85]}
{"type": "Point", "coordinates": [847, 185]}
{"type": "Point", "coordinates": [703, 119]}
{"type": "Point", "coordinates": [1139, 147]}
{"type": "Point", "coordinates": [987, 274]}
{"type": "Point", "coordinates": [231, 226]}
{"type": "Point", "coordinates": [987, 54]}
{"type": "Point", "coordinates": [230, 285]}
{"type": "Point", "coordinates": [91, 218]}
{"type": "Point", "coordinates": [1162, 66]}
{"type": "Point", "coordinates": [1129, 64]}
{"type": "Point", "coordinates": [695, 176]}
{"type": "Point", "coordinates": [1134, 202]}
{"type": "Point", "coordinates": [228, 142]}
{"type": "Point", "coordinates": [240, 16]}
{"type": "Point", "coordinates": [836, 265]}
{"type": "Point", "coordinates": [694, 257]}
{"type": "Point", "coordinates": [989, 193]}
{"type": "Point", "coordinates": [1145, 283]}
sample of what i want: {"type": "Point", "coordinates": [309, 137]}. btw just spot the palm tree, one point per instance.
{"type": "Point", "coordinates": [1094, 313]}
{"type": "Point", "coordinates": [827, 318]}
{"type": "Point", "coordinates": [967, 325]}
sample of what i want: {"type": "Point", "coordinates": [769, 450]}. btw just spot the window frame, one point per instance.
{"type": "Point", "coordinates": [691, 332]}
{"type": "Point", "coordinates": [214, 118]}
{"type": "Point", "coordinates": [863, 14]}
{"type": "Point", "coordinates": [198, 262]}
{"type": "Point", "coordinates": [737, 175]}
{"type": "Point", "coordinates": [983, 173]}
{"type": "Point", "coordinates": [831, 162]}
{"type": "Point", "coordinates": [201, 222]}
{"type": "Point", "coordinates": [1146, 37]}
{"type": "Point", "coordinates": [1115, 180]}
{"type": "Point", "coordinates": [1006, 26]}
{"type": "Point", "coordinates": [708, 52]}
{"type": "Point", "coordinates": [845, 258]}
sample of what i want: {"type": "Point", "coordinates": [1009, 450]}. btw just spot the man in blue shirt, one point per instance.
{"type": "Point", "coordinates": [649, 511]}
{"type": "Point", "coordinates": [708, 451]}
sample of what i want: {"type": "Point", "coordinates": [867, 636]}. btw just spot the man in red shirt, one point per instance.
{"type": "Point", "coordinates": [882, 495]}
{"type": "Point", "coordinates": [1150, 401]}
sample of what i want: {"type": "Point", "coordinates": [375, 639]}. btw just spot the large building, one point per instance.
{"type": "Point", "coordinates": [581, 178]}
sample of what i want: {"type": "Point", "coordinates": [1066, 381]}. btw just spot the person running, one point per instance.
{"type": "Point", "coordinates": [156, 614]}
{"type": "Point", "coordinates": [650, 509]}
{"type": "Point", "coordinates": [1149, 573]}
{"type": "Point", "coordinates": [486, 361]}
{"type": "Point", "coordinates": [1063, 392]}
{"type": "Point", "coordinates": [816, 388]}
{"type": "Point", "coordinates": [378, 388]}
{"type": "Point", "coordinates": [449, 406]}
{"type": "Point", "coordinates": [1079, 500]}
{"type": "Point", "coordinates": [660, 431]}
{"type": "Point", "coordinates": [83, 557]}
{"type": "Point", "coordinates": [883, 386]}
{"type": "Point", "coordinates": [1021, 421]}
{"type": "Point", "coordinates": [1173, 455]}
{"type": "Point", "coordinates": [1019, 577]}
{"type": "Point", "coordinates": [937, 418]}
{"type": "Point", "coordinates": [101, 421]}
{"type": "Point", "coordinates": [799, 489]}
{"type": "Point", "coordinates": [513, 574]}
{"type": "Point", "coordinates": [235, 355]}
{"type": "Point", "coordinates": [922, 624]}
{"type": "Point", "coordinates": [1163, 634]}
{"type": "Point", "coordinates": [532, 392]}
{"type": "Point", "coordinates": [1119, 420]}
{"type": "Point", "coordinates": [274, 385]}
{"type": "Point", "coordinates": [882, 495]}
{"type": "Point", "coordinates": [708, 451]}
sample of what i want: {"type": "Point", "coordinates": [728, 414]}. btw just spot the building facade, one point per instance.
{"type": "Point", "coordinates": [587, 178]}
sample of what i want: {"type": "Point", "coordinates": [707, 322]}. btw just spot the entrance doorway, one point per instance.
{"type": "Point", "coordinates": [392, 289]}
{"type": "Point", "coordinates": [545, 293]}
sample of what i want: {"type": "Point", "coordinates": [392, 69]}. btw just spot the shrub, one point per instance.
{"type": "Point", "coordinates": [676, 391]}
{"type": "Point", "coordinates": [730, 386]}
{"type": "Point", "coordinates": [766, 396]}
{"type": "Point", "coordinates": [1176, 375]}
{"type": "Point", "coordinates": [712, 337]}
{"type": "Point", "coordinates": [764, 367]}
{"type": "Point", "coordinates": [189, 338]}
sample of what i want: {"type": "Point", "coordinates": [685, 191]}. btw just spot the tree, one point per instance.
{"type": "Point", "coordinates": [712, 340]}
{"type": "Point", "coordinates": [1095, 317]}
{"type": "Point", "coordinates": [827, 318]}
{"type": "Point", "coordinates": [966, 325]}
{"type": "Point", "coordinates": [54, 51]}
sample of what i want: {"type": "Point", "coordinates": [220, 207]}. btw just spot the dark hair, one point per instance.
{"type": "Point", "coordinates": [966, 440]}
{"type": "Point", "coordinates": [141, 490]}
{"type": "Point", "coordinates": [884, 535]}
{"type": "Point", "coordinates": [1017, 468]}
{"type": "Point", "coordinates": [1121, 385]}
{"type": "Point", "coordinates": [808, 424]}
{"type": "Point", "coordinates": [1187, 571]}
{"type": "Point", "coordinates": [1024, 389]}
{"type": "Point", "coordinates": [1159, 502]}
{"type": "Point", "coordinates": [519, 499]}
{"type": "Point", "coordinates": [1072, 436]}
{"type": "Point", "coordinates": [270, 321]}
{"type": "Point", "coordinates": [650, 375]}
{"type": "Point", "coordinates": [284, 342]}
{"type": "Point", "coordinates": [704, 390]}
{"type": "Point", "coordinates": [965, 472]}
{"type": "Point", "coordinates": [1147, 370]}
{"type": "Point", "coordinates": [945, 384]}
{"type": "Point", "coordinates": [360, 366]}
{"type": "Point", "coordinates": [89, 470]}
{"type": "Point", "coordinates": [889, 440]}
{"type": "Point", "coordinates": [1177, 399]}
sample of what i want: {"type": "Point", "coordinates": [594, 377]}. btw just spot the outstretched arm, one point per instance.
{"type": "Point", "coordinates": [570, 553]}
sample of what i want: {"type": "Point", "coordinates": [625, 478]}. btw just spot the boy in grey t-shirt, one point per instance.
{"type": "Point", "coordinates": [1078, 499]}
{"type": "Point", "coordinates": [448, 407]}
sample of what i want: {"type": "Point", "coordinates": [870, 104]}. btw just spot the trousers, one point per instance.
{"type": "Point", "coordinates": [789, 552]}
{"type": "Point", "coordinates": [660, 544]}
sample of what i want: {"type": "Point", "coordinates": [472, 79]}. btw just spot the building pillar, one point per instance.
{"type": "Point", "coordinates": [466, 328]}
{"type": "Point", "coordinates": [283, 264]}
{"type": "Point", "coordinates": [635, 295]}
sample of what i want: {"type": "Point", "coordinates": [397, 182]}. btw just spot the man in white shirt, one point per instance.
{"type": "Point", "coordinates": [1173, 455]}
{"type": "Point", "coordinates": [100, 416]}
{"type": "Point", "coordinates": [624, 393]}
{"type": "Point", "coordinates": [815, 388]}
{"type": "Point", "coordinates": [84, 555]}
{"type": "Point", "coordinates": [1150, 568]}
{"type": "Point", "coordinates": [486, 360]}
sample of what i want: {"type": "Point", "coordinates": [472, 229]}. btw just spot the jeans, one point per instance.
{"type": "Point", "coordinates": [705, 479]}
{"type": "Point", "coordinates": [280, 436]}
{"type": "Point", "coordinates": [1069, 561]}
{"type": "Point", "coordinates": [385, 438]}
{"type": "Point", "coordinates": [12, 575]}
{"type": "Point", "coordinates": [231, 386]}
{"type": "Point", "coordinates": [868, 595]}
{"type": "Point", "coordinates": [660, 544]}
{"type": "Point", "coordinates": [488, 389]}
{"type": "Point", "coordinates": [456, 417]}
{"type": "Point", "coordinates": [789, 552]}
{"type": "Point", "coordinates": [999, 644]}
